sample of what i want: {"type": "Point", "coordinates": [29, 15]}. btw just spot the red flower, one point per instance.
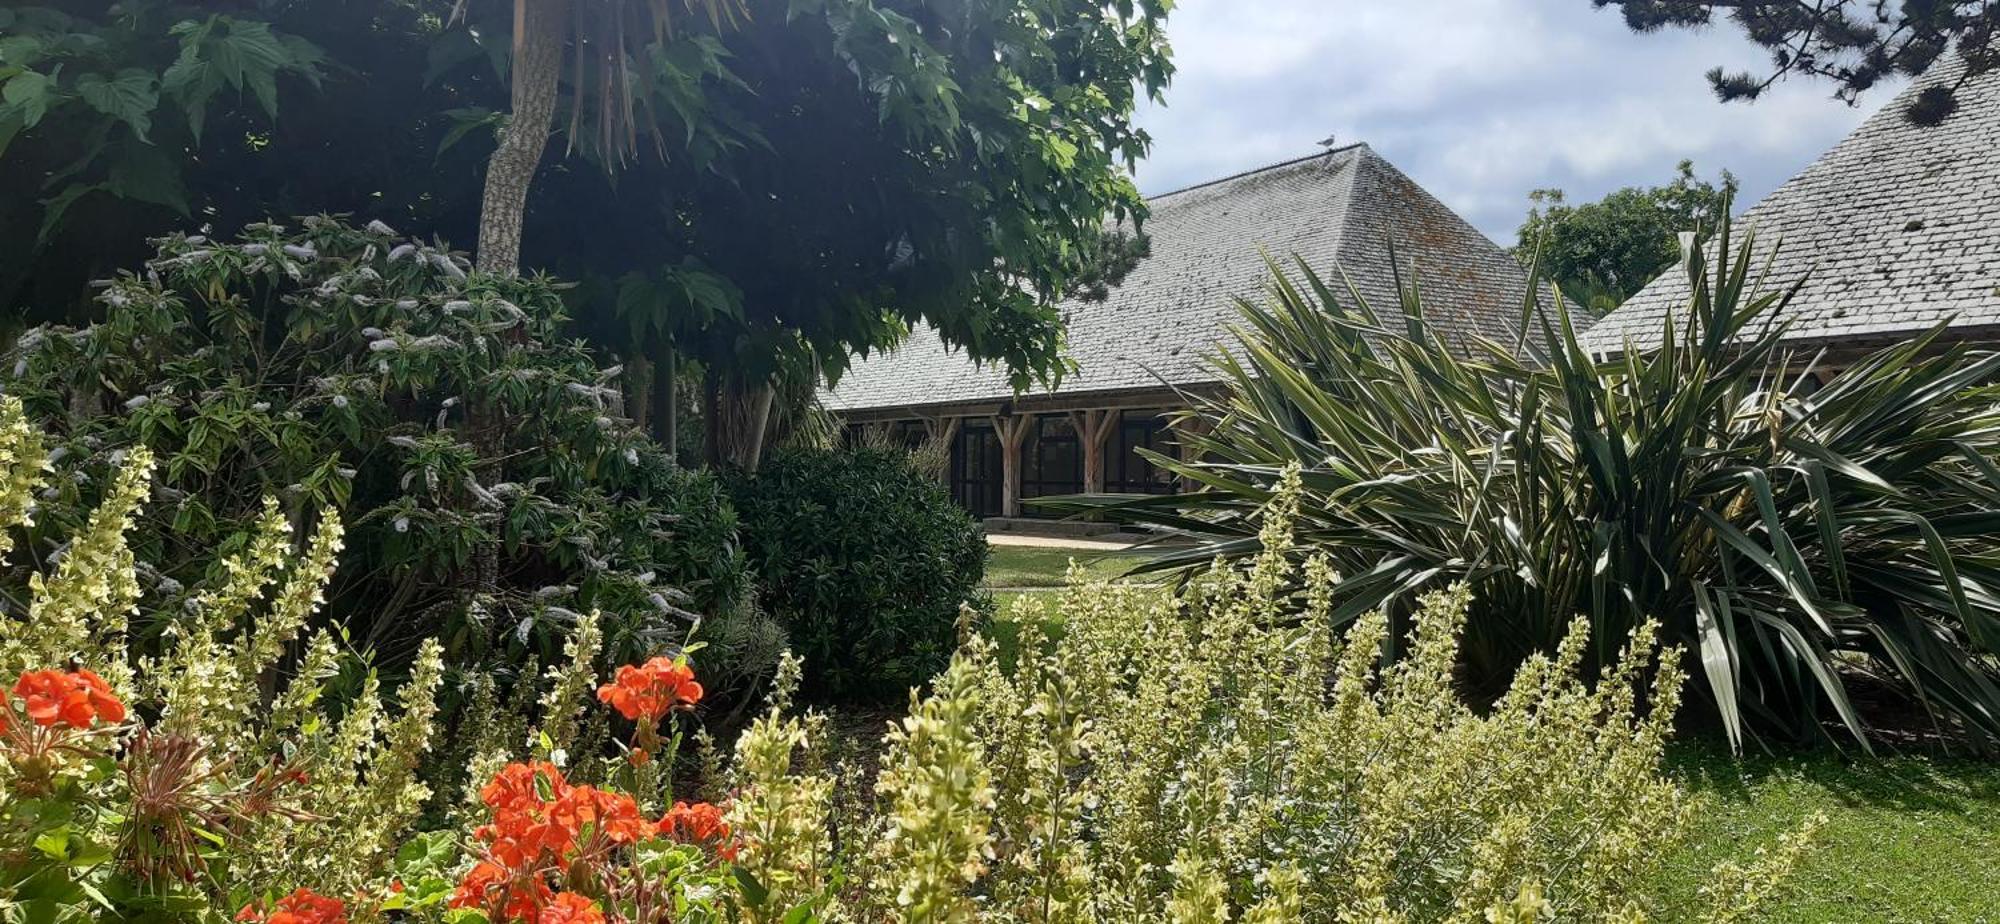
{"type": "Point", "coordinates": [520, 896]}
{"type": "Point", "coordinates": [616, 815]}
{"type": "Point", "coordinates": [301, 907]}
{"type": "Point", "coordinates": [77, 699]}
{"type": "Point", "coordinates": [645, 692]}
{"type": "Point", "coordinates": [571, 908]}
{"type": "Point", "coordinates": [700, 823]}
{"type": "Point", "coordinates": [538, 820]}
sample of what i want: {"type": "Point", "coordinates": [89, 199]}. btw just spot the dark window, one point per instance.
{"type": "Point", "coordinates": [1127, 472]}
{"type": "Point", "coordinates": [975, 469]}
{"type": "Point", "coordinates": [1054, 460]}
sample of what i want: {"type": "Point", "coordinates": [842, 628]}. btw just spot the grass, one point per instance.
{"type": "Point", "coordinates": [1017, 566]}
{"type": "Point", "coordinates": [1908, 838]}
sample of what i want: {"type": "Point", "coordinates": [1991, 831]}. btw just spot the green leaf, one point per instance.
{"type": "Point", "coordinates": [146, 173]}
{"type": "Point", "coordinates": [753, 891]}
{"type": "Point", "coordinates": [191, 82]}
{"type": "Point", "coordinates": [465, 121]}
{"type": "Point", "coordinates": [53, 209]}
{"type": "Point", "coordinates": [130, 97]}
{"type": "Point", "coordinates": [28, 94]}
{"type": "Point", "coordinates": [19, 49]}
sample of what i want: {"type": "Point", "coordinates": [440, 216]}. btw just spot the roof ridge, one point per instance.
{"type": "Point", "coordinates": [1256, 170]}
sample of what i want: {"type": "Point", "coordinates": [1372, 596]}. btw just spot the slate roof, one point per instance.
{"type": "Point", "coordinates": [1336, 209]}
{"type": "Point", "coordinates": [1895, 230]}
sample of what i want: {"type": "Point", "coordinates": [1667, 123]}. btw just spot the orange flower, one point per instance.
{"type": "Point", "coordinates": [616, 815]}
{"type": "Point", "coordinates": [570, 908]}
{"type": "Point", "coordinates": [303, 906]}
{"type": "Point", "coordinates": [519, 896]}
{"type": "Point", "coordinates": [523, 828]}
{"type": "Point", "coordinates": [77, 699]}
{"type": "Point", "coordinates": [700, 823]}
{"type": "Point", "coordinates": [645, 692]}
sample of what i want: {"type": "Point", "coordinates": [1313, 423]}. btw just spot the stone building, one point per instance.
{"type": "Point", "coordinates": [1142, 349]}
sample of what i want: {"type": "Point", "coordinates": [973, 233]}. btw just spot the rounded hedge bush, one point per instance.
{"type": "Point", "coordinates": [865, 561]}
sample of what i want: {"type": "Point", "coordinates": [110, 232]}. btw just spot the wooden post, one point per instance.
{"type": "Point", "coordinates": [1189, 427]}
{"type": "Point", "coordinates": [1093, 430]}
{"type": "Point", "coordinates": [941, 429]}
{"type": "Point", "coordinates": [1013, 432]}
{"type": "Point", "coordinates": [939, 432]}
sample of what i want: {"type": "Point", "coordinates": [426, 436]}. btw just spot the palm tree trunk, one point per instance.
{"type": "Point", "coordinates": [666, 412]}
{"type": "Point", "coordinates": [539, 28]}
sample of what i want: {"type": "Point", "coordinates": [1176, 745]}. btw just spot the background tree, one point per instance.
{"type": "Point", "coordinates": [805, 186]}
{"type": "Point", "coordinates": [1854, 43]}
{"type": "Point", "coordinates": [615, 51]}
{"type": "Point", "coordinates": [917, 162]}
{"type": "Point", "coordinates": [1601, 252]}
{"type": "Point", "coordinates": [145, 118]}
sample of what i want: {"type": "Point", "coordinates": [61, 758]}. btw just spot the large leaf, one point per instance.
{"type": "Point", "coordinates": [130, 97]}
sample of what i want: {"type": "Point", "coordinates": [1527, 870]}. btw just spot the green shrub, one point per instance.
{"type": "Point", "coordinates": [864, 560]}
{"type": "Point", "coordinates": [1787, 531]}
{"type": "Point", "coordinates": [492, 489]}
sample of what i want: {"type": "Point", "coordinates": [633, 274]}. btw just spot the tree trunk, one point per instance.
{"type": "Point", "coordinates": [539, 28]}
{"type": "Point", "coordinates": [667, 399]}
{"type": "Point", "coordinates": [638, 384]}
{"type": "Point", "coordinates": [756, 421]}
{"type": "Point", "coordinates": [711, 417]}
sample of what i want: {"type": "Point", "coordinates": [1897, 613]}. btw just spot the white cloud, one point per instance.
{"type": "Point", "coordinates": [1479, 100]}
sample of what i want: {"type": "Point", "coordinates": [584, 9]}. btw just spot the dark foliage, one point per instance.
{"type": "Point", "coordinates": [865, 561]}
{"type": "Point", "coordinates": [1852, 43]}
{"type": "Point", "coordinates": [490, 487]}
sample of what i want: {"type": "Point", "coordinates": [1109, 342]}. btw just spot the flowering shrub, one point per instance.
{"type": "Point", "coordinates": [1221, 756]}
{"type": "Point", "coordinates": [204, 782]}
{"type": "Point", "coordinates": [1213, 758]}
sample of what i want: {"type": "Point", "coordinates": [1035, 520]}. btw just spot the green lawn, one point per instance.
{"type": "Point", "coordinates": [1908, 838]}
{"type": "Point", "coordinates": [1015, 566]}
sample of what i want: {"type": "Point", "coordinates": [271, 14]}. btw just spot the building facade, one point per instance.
{"type": "Point", "coordinates": [1141, 352]}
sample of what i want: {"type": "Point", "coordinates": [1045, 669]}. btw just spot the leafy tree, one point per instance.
{"type": "Point", "coordinates": [917, 162]}
{"type": "Point", "coordinates": [805, 185]}
{"type": "Point", "coordinates": [615, 51]}
{"type": "Point", "coordinates": [1601, 252]}
{"type": "Point", "coordinates": [1853, 43]}
{"type": "Point", "coordinates": [285, 109]}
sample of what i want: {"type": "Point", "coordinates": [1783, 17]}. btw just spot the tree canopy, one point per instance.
{"type": "Point", "coordinates": [1601, 252]}
{"type": "Point", "coordinates": [819, 175]}
{"type": "Point", "coordinates": [1853, 43]}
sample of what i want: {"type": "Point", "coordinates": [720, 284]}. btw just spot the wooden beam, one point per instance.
{"type": "Point", "coordinates": [1093, 430]}
{"type": "Point", "coordinates": [942, 429]}
{"type": "Point", "coordinates": [1125, 399]}
{"type": "Point", "coordinates": [1013, 432]}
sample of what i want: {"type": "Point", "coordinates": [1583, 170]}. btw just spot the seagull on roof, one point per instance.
{"type": "Point", "coordinates": [1328, 141]}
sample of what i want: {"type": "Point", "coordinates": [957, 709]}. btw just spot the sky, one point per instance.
{"type": "Point", "coordinates": [1480, 101]}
